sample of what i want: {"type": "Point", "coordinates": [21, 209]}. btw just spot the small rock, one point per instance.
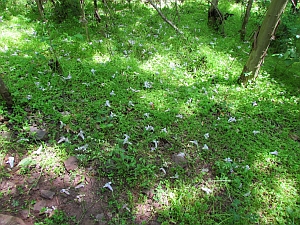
{"type": "Point", "coordinates": [39, 205]}
{"type": "Point", "coordinates": [25, 213]}
{"type": "Point", "coordinates": [179, 160]}
{"type": "Point", "coordinates": [47, 194]}
{"type": "Point", "coordinates": [10, 220]}
{"type": "Point", "coordinates": [71, 163]}
{"type": "Point", "coordinates": [37, 133]}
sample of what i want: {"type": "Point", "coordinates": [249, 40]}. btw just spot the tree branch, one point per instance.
{"type": "Point", "coordinates": [164, 17]}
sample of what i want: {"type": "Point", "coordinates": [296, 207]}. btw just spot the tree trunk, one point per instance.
{"type": "Point", "coordinates": [5, 94]}
{"type": "Point", "coordinates": [246, 18]}
{"type": "Point", "coordinates": [40, 7]}
{"type": "Point", "coordinates": [215, 17]}
{"type": "Point", "coordinates": [96, 14]}
{"type": "Point", "coordinates": [261, 41]}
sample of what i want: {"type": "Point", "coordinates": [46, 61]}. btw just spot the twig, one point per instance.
{"type": "Point", "coordinates": [164, 17]}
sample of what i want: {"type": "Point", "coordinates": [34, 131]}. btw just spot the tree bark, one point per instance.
{"type": "Point", "coordinates": [262, 40]}
{"type": "Point", "coordinates": [96, 14]}
{"type": "Point", "coordinates": [40, 7]}
{"type": "Point", "coordinates": [246, 18]}
{"type": "Point", "coordinates": [5, 94]}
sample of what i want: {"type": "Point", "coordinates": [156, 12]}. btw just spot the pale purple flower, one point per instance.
{"type": "Point", "coordinates": [68, 77]}
{"type": "Point", "coordinates": [179, 116]}
{"type": "Point", "coordinates": [112, 93]}
{"type": "Point", "coordinates": [162, 169]}
{"type": "Point", "coordinates": [108, 185]}
{"type": "Point", "coordinates": [149, 128]}
{"type": "Point", "coordinates": [112, 115]}
{"type": "Point", "coordinates": [176, 176]}
{"type": "Point", "coordinates": [11, 161]}
{"type": "Point", "coordinates": [206, 190]}
{"type": "Point", "coordinates": [80, 134]}
{"type": "Point", "coordinates": [164, 130]}
{"type": "Point", "coordinates": [61, 124]}
{"type": "Point", "coordinates": [107, 103]}
{"type": "Point", "coordinates": [125, 141]}
{"type": "Point", "coordinates": [63, 139]}
{"type": "Point", "coordinates": [204, 170]}
{"type": "Point", "coordinates": [147, 114]}
{"type": "Point", "coordinates": [155, 143]}
{"type": "Point", "coordinates": [147, 84]}
{"type": "Point", "coordinates": [39, 150]}
{"type": "Point", "coordinates": [274, 153]}
{"type": "Point", "coordinates": [130, 104]}
{"type": "Point", "coordinates": [181, 154]}
{"type": "Point", "coordinates": [195, 142]}
{"type": "Point", "coordinates": [256, 132]}
{"type": "Point", "coordinates": [82, 148]}
{"type": "Point", "coordinates": [79, 186]}
{"type": "Point", "coordinates": [66, 191]}
{"type": "Point", "coordinates": [231, 119]}
{"type": "Point", "coordinates": [206, 136]}
{"type": "Point", "coordinates": [205, 147]}
{"type": "Point", "coordinates": [254, 103]}
{"type": "Point", "coordinates": [228, 160]}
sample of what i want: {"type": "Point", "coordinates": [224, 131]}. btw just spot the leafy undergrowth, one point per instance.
{"type": "Point", "coordinates": [156, 113]}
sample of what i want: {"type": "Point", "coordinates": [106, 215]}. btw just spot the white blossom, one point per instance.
{"type": "Point", "coordinates": [11, 161]}
{"type": "Point", "coordinates": [256, 132]}
{"type": "Point", "coordinates": [66, 191]}
{"type": "Point", "coordinates": [63, 139]}
{"type": "Point", "coordinates": [68, 77]}
{"type": "Point", "coordinates": [254, 103]}
{"type": "Point", "coordinates": [61, 124]}
{"type": "Point", "coordinates": [206, 136]}
{"type": "Point", "coordinates": [176, 176]}
{"type": "Point", "coordinates": [274, 153]}
{"type": "Point", "coordinates": [79, 186]}
{"type": "Point", "coordinates": [179, 116]}
{"type": "Point", "coordinates": [80, 134]}
{"type": "Point", "coordinates": [205, 147]}
{"type": "Point", "coordinates": [231, 119]}
{"type": "Point", "coordinates": [112, 115]}
{"type": "Point", "coordinates": [107, 103]}
{"type": "Point", "coordinates": [108, 185]}
{"type": "Point", "coordinates": [155, 143]}
{"type": "Point", "coordinates": [164, 130]}
{"type": "Point", "coordinates": [162, 169]}
{"type": "Point", "coordinates": [82, 148]}
{"type": "Point", "coordinates": [146, 115]}
{"type": "Point", "coordinates": [130, 104]}
{"type": "Point", "coordinates": [195, 142]}
{"type": "Point", "coordinates": [149, 128]}
{"type": "Point", "coordinates": [228, 160]}
{"type": "Point", "coordinates": [147, 84]}
{"type": "Point", "coordinates": [207, 190]}
{"type": "Point", "coordinates": [39, 150]}
{"type": "Point", "coordinates": [125, 141]}
{"type": "Point", "coordinates": [112, 93]}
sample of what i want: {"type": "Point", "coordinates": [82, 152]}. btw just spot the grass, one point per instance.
{"type": "Point", "coordinates": [137, 74]}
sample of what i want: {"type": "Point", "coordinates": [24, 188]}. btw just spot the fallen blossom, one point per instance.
{"type": "Point", "coordinates": [176, 176]}
{"type": "Point", "coordinates": [247, 194]}
{"type": "Point", "coordinates": [130, 104]}
{"type": "Point", "coordinates": [107, 103]}
{"type": "Point", "coordinates": [155, 143]}
{"type": "Point", "coordinates": [179, 116]}
{"type": "Point", "coordinates": [68, 77]}
{"type": "Point", "coordinates": [112, 93]}
{"type": "Point", "coordinates": [163, 170]}
{"type": "Point", "coordinates": [11, 161]}
{"type": "Point", "coordinates": [125, 207]}
{"type": "Point", "coordinates": [29, 97]}
{"type": "Point", "coordinates": [66, 191]}
{"type": "Point", "coordinates": [254, 103]}
{"type": "Point", "coordinates": [206, 136]}
{"type": "Point", "coordinates": [205, 147]}
{"type": "Point", "coordinates": [63, 139]}
{"type": "Point", "coordinates": [79, 186]}
{"type": "Point", "coordinates": [93, 71]}
{"type": "Point", "coordinates": [256, 132]}
{"type": "Point", "coordinates": [79, 198]}
{"type": "Point", "coordinates": [167, 110]}
{"type": "Point", "coordinates": [231, 119]}
{"type": "Point", "coordinates": [126, 139]}
{"type": "Point", "coordinates": [146, 115]}
{"type": "Point", "coordinates": [207, 190]}
{"type": "Point", "coordinates": [82, 148]}
{"type": "Point", "coordinates": [39, 150]}
{"type": "Point", "coordinates": [149, 128]}
{"type": "Point", "coordinates": [274, 153]}
{"type": "Point", "coordinates": [147, 84]}
{"type": "Point", "coordinates": [181, 154]}
{"type": "Point", "coordinates": [164, 130]}
{"type": "Point", "coordinates": [247, 167]}
{"type": "Point", "coordinates": [80, 134]}
{"type": "Point", "coordinates": [195, 142]}
{"type": "Point", "coordinates": [112, 115]}
{"type": "Point", "coordinates": [61, 124]}
{"type": "Point", "coordinates": [228, 160]}
{"type": "Point", "coordinates": [204, 170]}
{"type": "Point", "coordinates": [108, 185]}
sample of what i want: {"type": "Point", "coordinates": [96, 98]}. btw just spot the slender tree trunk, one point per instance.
{"type": "Point", "coordinates": [262, 41]}
{"type": "Point", "coordinates": [5, 94]}
{"type": "Point", "coordinates": [84, 20]}
{"type": "Point", "coordinates": [246, 18]}
{"type": "Point", "coordinates": [40, 7]}
{"type": "Point", "coordinates": [96, 14]}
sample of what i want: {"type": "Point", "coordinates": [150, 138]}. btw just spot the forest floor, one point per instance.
{"type": "Point", "coordinates": [137, 124]}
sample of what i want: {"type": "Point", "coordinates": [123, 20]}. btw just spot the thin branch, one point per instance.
{"type": "Point", "coordinates": [164, 17]}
